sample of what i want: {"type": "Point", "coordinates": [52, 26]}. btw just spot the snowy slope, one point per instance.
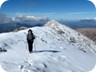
{"type": "Point", "coordinates": [57, 48]}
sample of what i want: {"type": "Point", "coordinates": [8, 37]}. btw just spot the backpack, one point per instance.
{"type": "Point", "coordinates": [30, 36]}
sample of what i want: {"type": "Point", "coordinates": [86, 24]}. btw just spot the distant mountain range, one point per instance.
{"type": "Point", "coordinates": [10, 24]}
{"type": "Point", "coordinates": [83, 23]}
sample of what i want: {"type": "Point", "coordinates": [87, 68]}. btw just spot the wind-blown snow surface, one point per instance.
{"type": "Point", "coordinates": [57, 48]}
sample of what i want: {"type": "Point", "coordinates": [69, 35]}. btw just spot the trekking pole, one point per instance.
{"type": "Point", "coordinates": [26, 43]}
{"type": "Point", "coordinates": [34, 47]}
{"type": "Point", "coordinates": [26, 47]}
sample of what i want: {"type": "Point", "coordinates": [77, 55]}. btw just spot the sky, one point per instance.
{"type": "Point", "coordinates": [54, 9]}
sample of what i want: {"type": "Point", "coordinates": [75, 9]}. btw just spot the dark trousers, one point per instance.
{"type": "Point", "coordinates": [30, 45]}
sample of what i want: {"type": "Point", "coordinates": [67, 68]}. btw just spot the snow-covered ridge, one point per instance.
{"type": "Point", "coordinates": [57, 48]}
{"type": "Point", "coordinates": [69, 34]}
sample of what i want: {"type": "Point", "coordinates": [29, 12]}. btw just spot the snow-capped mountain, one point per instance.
{"type": "Point", "coordinates": [57, 48]}
{"type": "Point", "coordinates": [29, 19]}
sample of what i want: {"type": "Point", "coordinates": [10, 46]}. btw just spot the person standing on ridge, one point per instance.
{"type": "Point", "coordinates": [30, 40]}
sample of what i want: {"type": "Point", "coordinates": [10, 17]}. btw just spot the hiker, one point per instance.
{"type": "Point", "coordinates": [30, 40]}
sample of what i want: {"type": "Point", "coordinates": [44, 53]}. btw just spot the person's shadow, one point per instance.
{"type": "Point", "coordinates": [40, 51]}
